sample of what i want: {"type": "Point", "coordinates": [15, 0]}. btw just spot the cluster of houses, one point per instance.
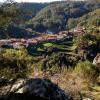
{"type": "Point", "coordinates": [16, 43]}
{"type": "Point", "coordinates": [78, 31]}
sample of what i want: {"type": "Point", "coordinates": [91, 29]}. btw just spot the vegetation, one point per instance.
{"type": "Point", "coordinates": [8, 11]}
{"type": "Point", "coordinates": [67, 62]}
{"type": "Point", "coordinates": [90, 20]}
{"type": "Point", "coordinates": [31, 9]}
{"type": "Point", "coordinates": [87, 70]}
{"type": "Point", "coordinates": [55, 17]}
{"type": "Point", "coordinates": [15, 63]}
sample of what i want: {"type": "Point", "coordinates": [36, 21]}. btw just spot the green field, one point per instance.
{"type": "Point", "coordinates": [66, 46]}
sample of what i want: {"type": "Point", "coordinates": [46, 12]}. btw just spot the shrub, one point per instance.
{"type": "Point", "coordinates": [15, 63]}
{"type": "Point", "coordinates": [87, 70]}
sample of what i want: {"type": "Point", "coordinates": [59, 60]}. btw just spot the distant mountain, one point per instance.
{"type": "Point", "coordinates": [55, 16]}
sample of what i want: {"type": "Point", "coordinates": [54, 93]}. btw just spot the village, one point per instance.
{"type": "Point", "coordinates": [16, 43]}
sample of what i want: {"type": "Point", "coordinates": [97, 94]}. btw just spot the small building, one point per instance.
{"type": "Point", "coordinates": [49, 32]}
{"type": "Point", "coordinates": [16, 45]}
{"type": "Point", "coordinates": [40, 39]}
{"type": "Point", "coordinates": [29, 30]}
{"type": "Point", "coordinates": [59, 37]}
{"type": "Point", "coordinates": [32, 41]}
{"type": "Point", "coordinates": [49, 38]}
{"type": "Point", "coordinates": [26, 45]}
{"type": "Point", "coordinates": [63, 32]}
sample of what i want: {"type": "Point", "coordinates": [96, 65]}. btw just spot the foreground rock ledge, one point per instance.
{"type": "Point", "coordinates": [41, 88]}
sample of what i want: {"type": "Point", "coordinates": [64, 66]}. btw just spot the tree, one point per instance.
{"type": "Point", "coordinates": [8, 11]}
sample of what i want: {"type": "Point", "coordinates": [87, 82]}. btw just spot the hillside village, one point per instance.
{"type": "Point", "coordinates": [16, 43]}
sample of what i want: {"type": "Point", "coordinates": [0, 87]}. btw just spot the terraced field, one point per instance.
{"type": "Point", "coordinates": [67, 46]}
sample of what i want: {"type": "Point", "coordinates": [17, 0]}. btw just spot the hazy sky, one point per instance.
{"type": "Point", "coordinates": [33, 0]}
{"type": "Point", "coordinates": [36, 0]}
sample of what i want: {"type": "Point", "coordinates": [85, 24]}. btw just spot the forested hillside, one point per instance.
{"type": "Point", "coordinates": [43, 17]}
{"type": "Point", "coordinates": [33, 8]}
{"type": "Point", "coordinates": [55, 16]}
{"type": "Point", "coordinates": [91, 20]}
{"type": "Point", "coordinates": [13, 17]}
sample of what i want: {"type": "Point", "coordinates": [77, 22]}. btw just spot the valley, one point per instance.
{"type": "Point", "coordinates": [50, 51]}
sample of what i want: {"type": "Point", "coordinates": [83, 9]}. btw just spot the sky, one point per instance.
{"type": "Point", "coordinates": [35, 0]}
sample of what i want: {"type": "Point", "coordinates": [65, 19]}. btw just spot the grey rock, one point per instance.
{"type": "Point", "coordinates": [39, 87]}
{"type": "Point", "coordinates": [96, 60]}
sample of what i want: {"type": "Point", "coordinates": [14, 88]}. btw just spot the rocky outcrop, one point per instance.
{"type": "Point", "coordinates": [43, 88]}
{"type": "Point", "coordinates": [96, 60]}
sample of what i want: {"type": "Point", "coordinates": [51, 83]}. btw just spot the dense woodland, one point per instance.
{"type": "Point", "coordinates": [55, 16]}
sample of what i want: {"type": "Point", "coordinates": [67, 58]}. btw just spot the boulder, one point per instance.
{"type": "Point", "coordinates": [17, 86]}
{"type": "Point", "coordinates": [40, 87]}
{"type": "Point", "coordinates": [96, 60]}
